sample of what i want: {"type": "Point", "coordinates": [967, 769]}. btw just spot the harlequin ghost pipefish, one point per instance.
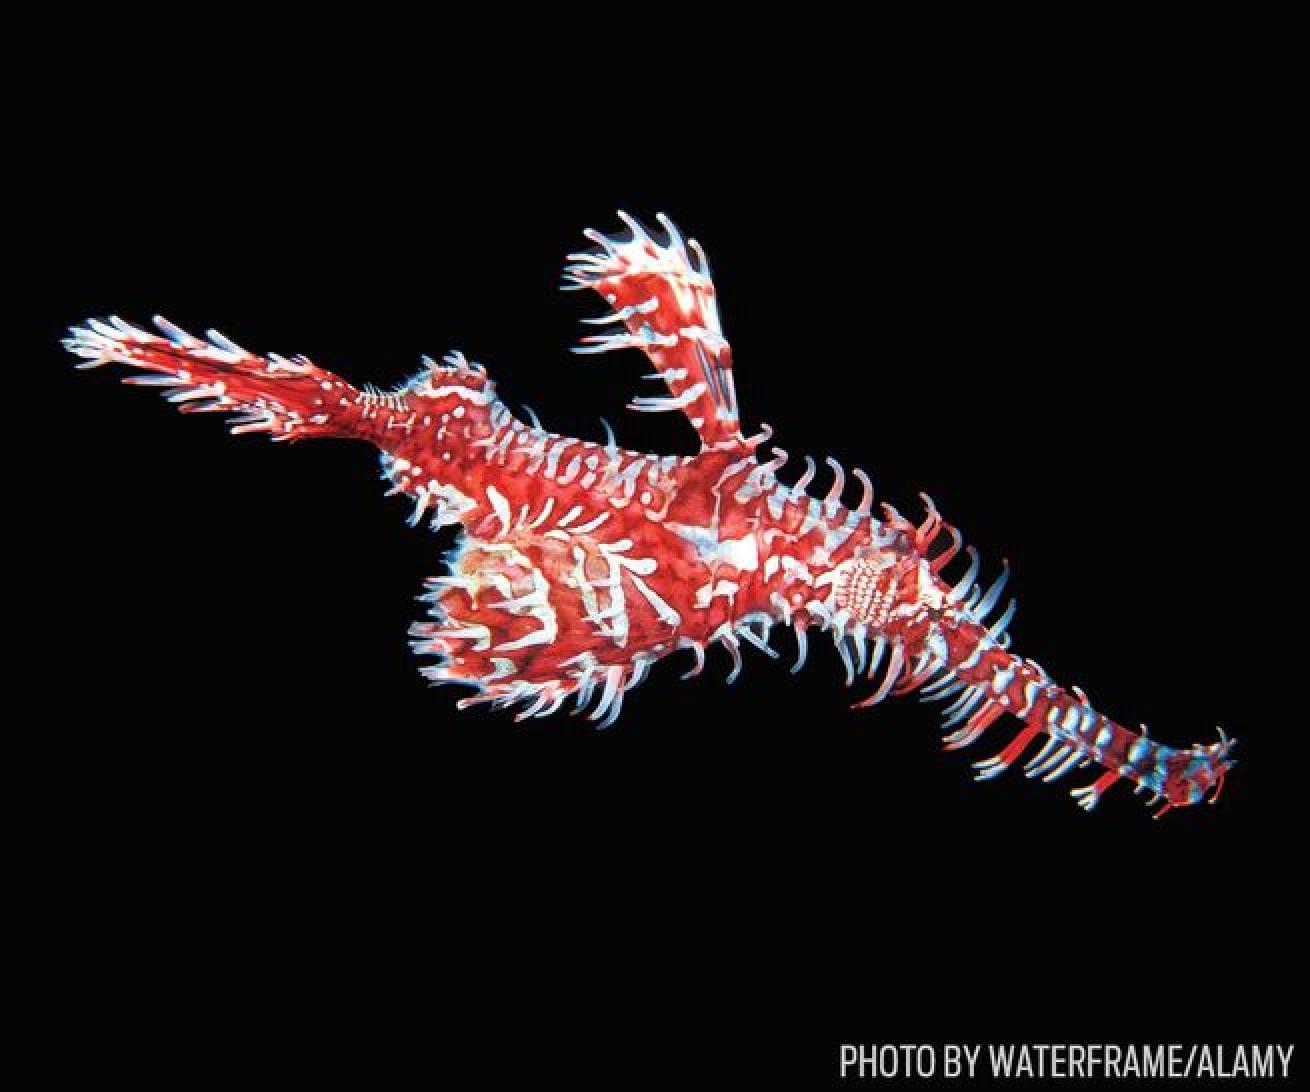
{"type": "Point", "coordinates": [581, 564]}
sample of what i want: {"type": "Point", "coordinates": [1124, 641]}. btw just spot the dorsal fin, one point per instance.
{"type": "Point", "coordinates": [664, 302]}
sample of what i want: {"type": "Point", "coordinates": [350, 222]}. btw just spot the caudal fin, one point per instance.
{"type": "Point", "coordinates": [290, 399]}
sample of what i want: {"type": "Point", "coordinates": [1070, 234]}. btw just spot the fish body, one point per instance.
{"type": "Point", "coordinates": [581, 564]}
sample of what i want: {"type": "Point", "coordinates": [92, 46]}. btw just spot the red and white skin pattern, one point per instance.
{"type": "Point", "coordinates": [582, 564]}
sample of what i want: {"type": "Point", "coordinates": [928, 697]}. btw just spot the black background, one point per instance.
{"type": "Point", "coordinates": [1050, 301]}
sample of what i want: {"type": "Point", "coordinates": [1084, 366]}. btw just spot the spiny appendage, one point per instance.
{"type": "Point", "coordinates": [874, 589]}
{"type": "Point", "coordinates": [663, 298]}
{"type": "Point", "coordinates": [536, 619]}
{"type": "Point", "coordinates": [286, 398]}
{"type": "Point", "coordinates": [971, 668]}
{"type": "Point", "coordinates": [1074, 736]}
{"type": "Point", "coordinates": [516, 452]}
{"type": "Point", "coordinates": [522, 482]}
{"type": "Point", "coordinates": [422, 407]}
{"type": "Point", "coordinates": [894, 620]}
{"type": "Point", "coordinates": [517, 476]}
{"type": "Point", "coordinates": [846, 573]}
{"type": "Point", "coordinates": [489, 616]}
